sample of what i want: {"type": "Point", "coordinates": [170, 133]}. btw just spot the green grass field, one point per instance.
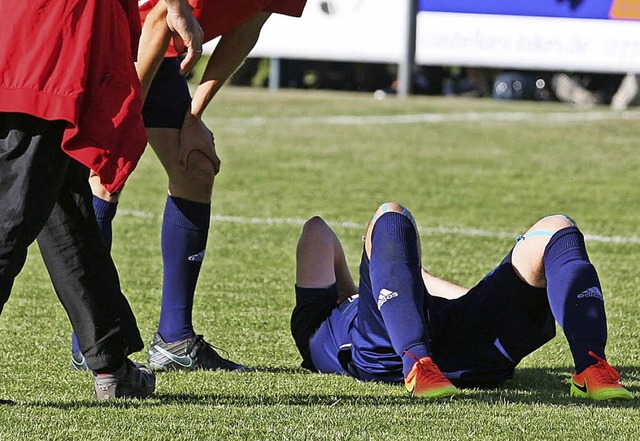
{"type": "Point", "coordinates": [474, 172]}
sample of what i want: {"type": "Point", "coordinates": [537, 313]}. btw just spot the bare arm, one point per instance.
{"type": "Point", "coordinates": [154, 43]}
{"type": "Point", "coordinates": [231, 51]}
{"type": "Point", "coordinates": [441, 288]}
{"type": "Point", "coordinates": [229, 54]}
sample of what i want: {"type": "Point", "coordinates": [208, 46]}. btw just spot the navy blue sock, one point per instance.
{"type": "Point", "coordinates": [75, 347]}
{"type": "Point", "coordinates": [396, 280]}
{"type": "Point", "coordinates": [575, 296]}
{"type": "Point", "coordinates": [105, 212]}
{"type": "Point", "coordinates": [185, 229]}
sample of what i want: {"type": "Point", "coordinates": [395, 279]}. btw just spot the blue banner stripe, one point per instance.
{"type": "Point", "coordinates": [593, 9]}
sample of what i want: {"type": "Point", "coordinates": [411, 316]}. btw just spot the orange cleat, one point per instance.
{"type": "Point", "coordinates": [599, 382]}
{"type": "Point", "coordinates": [425, 380]}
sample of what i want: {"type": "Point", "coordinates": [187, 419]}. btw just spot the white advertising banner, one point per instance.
{"type": "Point", "coordinates": [546, 43]}
{"type": "Point", "coordinates": [338, 30]}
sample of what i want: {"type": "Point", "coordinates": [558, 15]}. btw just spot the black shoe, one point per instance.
{"type": "Point", "coordinates": [189, 354]}
{"type": "Point", "coordinates": [136, 381]}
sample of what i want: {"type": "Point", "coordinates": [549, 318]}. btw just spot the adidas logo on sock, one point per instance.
{"type": "Point", "coordinates": [385, 295]}
{"type": "Point", "coordinates": [591, 292]}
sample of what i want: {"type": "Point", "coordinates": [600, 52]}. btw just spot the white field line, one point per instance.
{"type": "Point", "coordinates": [438, 118]}
{"type": "Point", "coordinates": [432, 231]}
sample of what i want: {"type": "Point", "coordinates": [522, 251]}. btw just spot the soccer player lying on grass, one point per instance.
{"type": "Point", "coordinates": [403, 324]}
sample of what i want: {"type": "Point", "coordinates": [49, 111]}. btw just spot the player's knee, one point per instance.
{"type": "Point", "coordinates": [201, 171]}
{"type": "Point", "coordinates": [390, 207]}
{"type": "Point", "coordinates": [315, 231]}
{"type": "Point", "coordinates": [315, 226]}
{"type": "Point", "coordinates": [408, 229]}
{"type": "Point", "coordinates": [553, 223]}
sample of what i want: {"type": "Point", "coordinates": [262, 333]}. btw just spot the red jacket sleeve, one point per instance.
{"type": "Point", "coordinates": [131, 10]}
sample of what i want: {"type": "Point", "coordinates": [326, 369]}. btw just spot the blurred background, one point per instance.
{"type": "Point", "coordinates": [583, 52]}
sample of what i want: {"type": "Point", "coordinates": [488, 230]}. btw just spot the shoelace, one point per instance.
{"type": "Point", "coordinates": [412, 356]}
{"type": "Point", "coordinates": [604, 372]}
{"type": "Point", "coordinates": [426, 370]}
{"type": "Point", "coordinates": [199, 342]}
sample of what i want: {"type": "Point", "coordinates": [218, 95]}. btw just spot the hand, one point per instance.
{"type": "Point", "coordinates": [195, 136]}
{"type": "Point", "coordinates": [187, 33]}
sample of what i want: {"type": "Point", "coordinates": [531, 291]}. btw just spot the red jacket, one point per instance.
{"type": "Point", "coordinates": [72, 60]}
{"type": "Point", "coordinates": [217, 17]}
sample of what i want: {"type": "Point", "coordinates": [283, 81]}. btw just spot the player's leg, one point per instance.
{"type": "Point", "coordinates": [84, 276]}
{"type": "Point", "coordinates": [165, 106]}
{"type": "Point", "coordinates": [87, 284]}
{"type": "Point", "coordinates": [553, 254]}
{"type": "Point", "coordinates": [392, 328]}
{"type": "Point", "coordinates": [323, 281]}
{"type": "Point", "coordinates": [36, 168]}
{"type": "Point", "coordinates": [320, 260]}
{"type": "Point", "coordinates": [185, 227]}
{"type": "Point", "coordinates": [105, 206]}
{"type": "Point", "coordinates": [184, 234]}
{"type": "Point", "coordinates": [185, 222]}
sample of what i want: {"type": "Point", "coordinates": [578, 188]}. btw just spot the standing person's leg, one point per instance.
{"type": "Point", "coordinates": [32, 169]}
{"type": "Point", "coordinates": [105, 206]}
{"type": "Point", "coordinates": [553, 254]}
{"type": "Point", "coordinates": [185, 227]}
{"type": "Point", "coordinates": [88, 287]}
{"type": "Point", "coordinates": [391, 339]}
{"type": "Point", "coordinates": [85, 277]}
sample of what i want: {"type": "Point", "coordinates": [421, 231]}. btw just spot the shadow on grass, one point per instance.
{"type": "Point", "coordinates": [529, 386]}
{"type": "Point", "coordinates": [550, 386]}
{"type": "Point", "coordinates": [278, 370]}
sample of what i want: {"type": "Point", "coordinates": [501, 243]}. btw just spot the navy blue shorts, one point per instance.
{"type": "Point", "coordinates": [168, 99]}
{"type": "Point", "coordinates": [477, 340]}
{"type": "Point", "coordinates": [320, 328]}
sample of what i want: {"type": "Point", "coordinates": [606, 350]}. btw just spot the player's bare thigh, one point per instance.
{"type": "Point", "coordinates": [528, 254]}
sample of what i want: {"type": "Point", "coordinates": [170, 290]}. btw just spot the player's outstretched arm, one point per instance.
{"type": "Point", "coordinates": [231, 51]}
{"type": "Point", "coordinates": [229, 54]}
